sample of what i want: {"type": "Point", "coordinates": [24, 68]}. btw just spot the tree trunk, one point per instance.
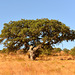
{"type": "Point", "coordinates": [31, 55]}
{"type": "Point", "coordinates": [32, 52]}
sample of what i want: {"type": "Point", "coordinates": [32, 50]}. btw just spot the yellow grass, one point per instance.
{"type": "Point", "coordinates": [21, 65]}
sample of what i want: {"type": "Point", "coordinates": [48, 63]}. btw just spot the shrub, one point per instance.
{"type": "Point", "coordinates": [72, 52]}
{"type": "Point", "coordinates": [20, 51]}
{"type": "Point", "coordinates": [6, 50]}
{"type": "Point", "coordinates": [3, 50]}
{"type": "Point", "coordinates": [66, 50]}
{"type": "Point", "coordinates": [56, 50]}
{"type": "Point", "coordinates": [46, 50]}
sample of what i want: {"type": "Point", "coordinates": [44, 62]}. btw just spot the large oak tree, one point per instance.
{"type": "Point", "coordinates": [34, 34]}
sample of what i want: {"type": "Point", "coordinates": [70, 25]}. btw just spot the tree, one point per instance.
{"type": "Point", "coordinates": [37, 33]}
{"type": "Point", "coordinates": [72, 51]}
{"type": "Point", "coordinates": [66, 50]}
{"type": "Point", "coordinates": [58, 50]}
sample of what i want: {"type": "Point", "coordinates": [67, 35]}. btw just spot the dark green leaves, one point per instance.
{"type": "Point", "coordinates": [34, 32]}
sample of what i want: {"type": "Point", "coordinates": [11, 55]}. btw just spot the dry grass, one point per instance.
{"type": "Point", "coordinates": [21, 65]}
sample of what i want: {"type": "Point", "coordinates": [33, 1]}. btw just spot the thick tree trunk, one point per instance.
{"type": "Point", "coordinates": [31, 55]}
{"type": "Point", "coordinates": [32, 52]}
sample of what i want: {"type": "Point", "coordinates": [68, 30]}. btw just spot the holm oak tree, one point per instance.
{"type": "Point", "coordinates": [34, 34]}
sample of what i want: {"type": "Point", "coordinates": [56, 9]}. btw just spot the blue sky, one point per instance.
{"type": "Point", "coordinates": [62, 10]}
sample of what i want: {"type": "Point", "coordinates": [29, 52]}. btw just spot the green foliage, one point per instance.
{"type": "Point", "coordinates": [46, 50]}
{"type": "Point", "coordinates": [66, 50]}
{"type": "Point", "coordinates": [4, 50]}
{"type": "Point", "coordinates": [7, 50]}
{"type": "Point", "coordinates": [16, 34]}
{"type": "Point", "coordinates": [72, 52]}
{"type": "Point", "coordinates": [58, 50]}
{"type": "Point", "coordinates": [21, 51]}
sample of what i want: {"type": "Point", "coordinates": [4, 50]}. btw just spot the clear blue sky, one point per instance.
{"type": "Point", "coordinates": [62, 10]}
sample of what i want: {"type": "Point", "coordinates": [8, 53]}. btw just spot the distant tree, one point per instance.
{"type": "Point", "coordinates": [58, 50]}
{"type": "Point", "coordinates": [36, 33]}
{"type": "Point", "coordinates": [72, 52]}
{"type": "Point", "coordinates": [4, 50]}
{"type": "Point", "coordinates": [66, 50]}
{"type": "Point", "coordinates": [46, 50]}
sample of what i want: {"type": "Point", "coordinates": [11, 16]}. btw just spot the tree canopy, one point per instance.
{"type": "Point", "coordinates": [16, 34]}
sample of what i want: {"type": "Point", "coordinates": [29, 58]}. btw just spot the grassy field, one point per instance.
{"type": "Point", "coordinates": [21, 65]}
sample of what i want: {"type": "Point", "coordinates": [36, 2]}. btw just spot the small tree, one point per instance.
{"type": "Point", "coordinates": [66, 50]}
{"type": "Point", "coordinates": [5, 50]}
{"type": "Point", "coordinates": [72, 52]}
{"type": "Point", "coordinates": [58, 50]}
{"type": "Point", "coordinates": [46, 50]}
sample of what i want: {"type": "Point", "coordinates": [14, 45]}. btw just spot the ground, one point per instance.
{"type": "Point", "coordinates": [21, 65]}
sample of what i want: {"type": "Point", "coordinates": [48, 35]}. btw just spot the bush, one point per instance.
{"type": "Point", "coordinates": [20, 51]}
{"type": "Point", "coordinates": [46, 50]}
{"type": "Point", "coordinates": [3, 50]}
{"type": "Point", "coordinates": [56, 50]}
{"type": "Point", "coordinates": [66, 50]}
{"type": "Point", "coordinates": [72, 52]}
{"type": "Point", "coordinates": [6, 50]}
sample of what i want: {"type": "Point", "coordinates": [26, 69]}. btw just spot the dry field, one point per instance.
{"type": "Point", "coordinates": [21, 65]}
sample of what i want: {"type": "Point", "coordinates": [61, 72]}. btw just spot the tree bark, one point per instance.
{"type": "Point", "coordinates": [32, 52]}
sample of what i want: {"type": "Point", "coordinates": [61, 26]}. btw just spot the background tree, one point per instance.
{"type": "Point", "coordinates": [72, 52]}
{"type": "Point", "coordinates": [66, 51]}
{"type": "Point", "coordinates": [37, 33]}
{"type": "Point", "coordinates": [58, 50]}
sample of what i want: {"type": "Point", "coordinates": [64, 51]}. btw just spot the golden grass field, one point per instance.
{"type": "Point", "coordinates": [21, 65]}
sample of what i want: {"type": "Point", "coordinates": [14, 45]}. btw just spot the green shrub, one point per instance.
{"type": "Point", "coordinates": [0, 51]}
{"type": "Point", "coordinates": [20, 51]}
{"type": "Point", "coordinates": [56, 50]}
{"type": "Point", "coordinates": [6, 50]}
{"type": "Point", "coordinates": [66, 50]}
{"type": "Point", "coordinates": [72, 52]}
{"type": "Point", "coordinates": [46, 50]}
{"type": "Point", "coordinates": [3, 50]}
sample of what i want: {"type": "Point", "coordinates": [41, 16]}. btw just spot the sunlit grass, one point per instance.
{"type": "Point", "coordinates": [21, 65]}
